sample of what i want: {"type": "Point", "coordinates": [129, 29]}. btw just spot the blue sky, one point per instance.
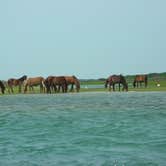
{"type": "Point", "coordinates": [87, 38]}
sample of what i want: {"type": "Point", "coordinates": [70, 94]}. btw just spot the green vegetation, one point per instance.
{"type": "Point", "coordinates": [153, 80]}
{"type": "Point", "coordinates": [93, 85]}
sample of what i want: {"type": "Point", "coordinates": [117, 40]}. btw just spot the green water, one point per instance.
{"type": "Point", "coordinates": [85, 129]}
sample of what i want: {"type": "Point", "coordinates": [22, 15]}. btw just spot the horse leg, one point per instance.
{"type": "Point", "coordinates": [119, 87]}
{"type": "Point", "coordinates": [54, 88]}
{"type": "Point", "coordinates": [25, 89]}
{"type": "Point", "coordinates": [113, 87]}
{"type": "Point", "coordinates": [49, 87]}
{"type": "Point", "coordinates": [66, 88]}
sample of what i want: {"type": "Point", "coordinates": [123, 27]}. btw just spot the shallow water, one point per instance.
{"type": "Point", "coordinates": [100, 129]}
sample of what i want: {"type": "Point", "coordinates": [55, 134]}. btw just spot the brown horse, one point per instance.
{"type": "Point", "coordinates": [52, 82]}
{"type": "Point", "coordinates": [139, 79]}
{"type": "Point", "coordinates": [72, 80]}
{"type": "Point", "coordinates": [50, 87]}
{"type": "Point", "coordinates": [2, 87]}
{"type": "Point", "coordinates": [16, 82]}
{"type": "Point", "coordinates": [36, 81]}
{"type": "Point", "coordinates": [116, 79]}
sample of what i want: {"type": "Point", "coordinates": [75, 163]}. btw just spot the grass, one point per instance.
{"type": "Point", "coordinates": [151, 87]}
{"type": "Point", "coordinates": [93, 85]}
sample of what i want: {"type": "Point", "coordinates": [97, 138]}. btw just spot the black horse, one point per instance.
{"type": "Point", "coordinates": [2, 87]}
{"type": "Point", "coordinates": [116, 79]}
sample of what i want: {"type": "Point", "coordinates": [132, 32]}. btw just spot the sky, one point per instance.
{"type": "Point", "coordinates": [86, 38]}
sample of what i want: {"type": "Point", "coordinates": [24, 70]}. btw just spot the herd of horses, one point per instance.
{"type": "Point", "coordinates": [55, 84]}
{"type": "Point", "coordinates": [49, 85]}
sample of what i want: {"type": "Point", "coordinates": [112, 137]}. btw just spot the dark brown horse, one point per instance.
{"type": "Point", "coordinates": [52, 82]}
{"type": "Point", "coordinates": [72, 80]}
{"type": "Point", "coordinates": [50, 87]}
{"type": "Point", "coordinates": [116, 79]}
{"type": "Point", "coordinates": [2, 87]}
{"type": "Point", "coordinates": [36, 81]}
{"type": "Point", "coordinates": [139, 79]}
{"type": "Point", "coordinates": [16, 82]}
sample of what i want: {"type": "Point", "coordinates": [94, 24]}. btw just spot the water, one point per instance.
{"type": "Point", "coordinates": [85, 129]}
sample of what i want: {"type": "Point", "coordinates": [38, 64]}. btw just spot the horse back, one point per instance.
{"type": "Point", "coordinates": [34, 81]}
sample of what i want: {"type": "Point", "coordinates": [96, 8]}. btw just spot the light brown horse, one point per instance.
{"type": "Point", "coordinates": [116, 79]}
{"type": "Point", "coordinates": [53, 82]}
{"type": "Point", "coordinates": [36, 81]}
{"type": "Point", "coordinates": [139, 79]}
{"type": "Point", "coordinates": [16, 82]}
{"type": "Point", "coordinates": [72, 80]}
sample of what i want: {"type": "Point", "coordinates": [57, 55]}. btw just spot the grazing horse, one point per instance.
{"type": "Point", "coordinates": [72, 80]}
{"type": "Point", "coordinates": [16, 82]}
{"type": "Point", "coordinates": [116, 79]}
{"type": "Point", "coordinates": [50, 87]}
{"type": "Point", "coordinates": [52, 82]}
{"type": "Point", "coordinates": [2, 87]}
{"type": "Point", "coordinates": [139, 79]}
{"type": "Point", "coordinates": [36, 81]}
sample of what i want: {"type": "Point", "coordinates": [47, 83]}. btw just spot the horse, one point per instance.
{"type": "Point", "coordinates": [139, 79]}
{"type": "Point", "coordinates": [35, 81]}
{"type": "Point", "coordinates": [50, 87]}
{"type": "Point", "coordinates": [16, 82]}
{"type": "Point", "coordinates": [52, 82]}
{"type": "Point", "coordinates": [2, 87]}
{"type": "Point", "coordinates": [116, 79]}
{"type": "Point", "coordinates": [72, 80]}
